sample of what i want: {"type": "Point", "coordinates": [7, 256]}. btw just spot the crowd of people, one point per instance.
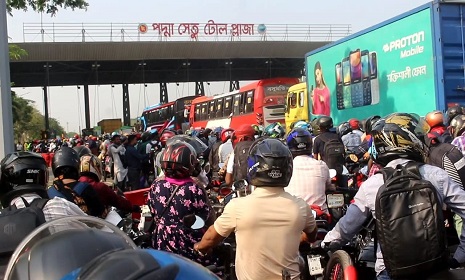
{"type": "Point", "coordinates": [289, 172]}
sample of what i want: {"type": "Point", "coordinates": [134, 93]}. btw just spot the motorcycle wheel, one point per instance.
{"type": "Point", "coordinates": [340, 267]}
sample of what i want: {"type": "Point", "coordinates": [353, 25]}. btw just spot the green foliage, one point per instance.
{"type": "Point", "coordinates": [16, 52]}
{"type": "Point", "coordinates": [48, 6]}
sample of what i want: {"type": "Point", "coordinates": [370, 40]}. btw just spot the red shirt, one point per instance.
{"type": "Point", "coordinates": [107, 196]}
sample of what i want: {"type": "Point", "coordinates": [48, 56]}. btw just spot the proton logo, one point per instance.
{"type": "Point", "coordinates": [275, 174]}
{"type": "Point", "coordinates": [9, 229]}
{"type": "Point", "coordinates": [386, 48]}
{"type": "Point", "coordinates": [33, 171]}
{"type": "Point", "coordinates": [301, 146]}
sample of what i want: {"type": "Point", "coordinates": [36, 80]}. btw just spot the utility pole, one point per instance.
{"type": "Point", "coordinates": [6, 122]}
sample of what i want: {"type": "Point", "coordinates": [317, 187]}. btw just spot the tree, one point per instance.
{"type": "Point", "coordinates": [48, 6]}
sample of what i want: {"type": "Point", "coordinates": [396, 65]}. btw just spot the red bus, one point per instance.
{"type": "Point", "coordinates": [169, 115]}
{"type": "Point", "coordinates": [262, 102]}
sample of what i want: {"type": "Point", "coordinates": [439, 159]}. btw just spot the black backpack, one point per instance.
{"type": "Point", "coordinates": [410, 224]}
{"type": "Point", "coordinates": [241, 152]}
{"type": "Point", "coordinates": [334, 154]}
{"type": "Point", "coordinates": [16, 224]}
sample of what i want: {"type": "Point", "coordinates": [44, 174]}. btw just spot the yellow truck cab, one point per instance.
{"type": "Point", "coordinates": [297, 105]}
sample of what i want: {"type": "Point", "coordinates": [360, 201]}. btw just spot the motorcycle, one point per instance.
{"type": "Point", "coordinates": [338, 198]}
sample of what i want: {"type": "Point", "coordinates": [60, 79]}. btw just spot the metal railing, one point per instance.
{"type": "Point", "coordinates": [210, 31]}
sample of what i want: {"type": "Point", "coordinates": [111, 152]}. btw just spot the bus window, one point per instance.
{"type": "Point", "coordinates": [293, 100]}
{"type": "Point", "coordinates": [204, 112]}
{"type": "Point", "coordinates": [301, 99]}
{"type": "Point", "coordinates": [211, 111]}
{"type": "Point", "coordinates": [163, 115]}
{"type": "Point", "coordinates": [248, 102]}
{"type": "Point", "coordinates": [219, 108]}
{"type": "Point", "coordinates": [171, 111]}
{"type": "Point", "coordinates": [197, 112]}
{"type": "Point", "coordinates": [237, 104]}
{"type": "Point", "coordinates": [227, 109]}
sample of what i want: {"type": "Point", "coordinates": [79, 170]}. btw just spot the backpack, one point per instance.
{"type": "Point", "coordinates": [407, 200]}
{"type": "Point", "coordinates": [448, 157]}
{"type": "Point", "coordinates": [58, 189]}
{"type": "Point", "coordinates": [241, 152]}
{"type": "Point", "coordinates": [334, 154]}
{"type": "Point", "coordinates": [16, 224]}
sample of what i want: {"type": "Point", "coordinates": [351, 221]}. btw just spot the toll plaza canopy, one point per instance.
{"type": "Point", "coordinates": [164, 52]}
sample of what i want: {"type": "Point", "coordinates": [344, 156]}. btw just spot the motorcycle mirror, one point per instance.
{"type": "Point", "coordinates": [207, 168]}
{"type": "Point", "coordinates": [344, 170]}
{"type": "Point", "coordinates": [314, 213]}
{"type": "Point", "coordinates": [113, 218]}
{"type": "Point", "coordinates": [199, 223]}
{"type": "Point", "coordinates": [332, 173]}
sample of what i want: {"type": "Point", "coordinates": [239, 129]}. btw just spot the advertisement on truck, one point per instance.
{"type": "Point", "coordinates": [390, 68]}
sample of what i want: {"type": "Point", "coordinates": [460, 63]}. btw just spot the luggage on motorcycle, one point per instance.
{"type": "Point", "coordinates": [334, 154]}
{"type": "Point", "coordinates": [241, 152]}
{"type": "Point", "coordinates": [449, 158]}
{"type": "Point", "coordinates": [72, 194]}
{"type": "Point", "coordinates": [16, 224]}
{"type": "Point", "coordinates": [410, 224]}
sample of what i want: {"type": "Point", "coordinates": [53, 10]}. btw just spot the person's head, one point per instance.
{"type": "Point", "coordinates": [245, 132]}
{"type": "Point", "coordinates": [319, 79]}
{"type": "Point", "coordinates": [435, 119]}
{"type": "Point", "coordinates": [354, 124]}
{"type": "Point", "coordinates": [369, 123]}
{"type": "Point", "coordinates": [300, 142]}
{"type": "Point", "coordinates": [145, 136]}
{"type": "Point", "coordinates": [65, 164]}
{"type": "Point", "coordinates": [82, 150]}
{"type": "Point", "coordinates": [457, 125]}
{"type": "Point", "coordinates": [132, 140]}
{"type": "Point", "coordinates": [217, 133]}
{"type": "Point", "coordinates": [274, 130]}
{"type": "Point", "coordinates": [315, 127]}
{"type": "Point", "coordinates": [399, 135]}
{"type": "Point", "coordinates": [454, 111]}
{"type": "Point", "coordinates": [179, 160]}
{"type": "Point", "coordinates": [91, 166]}
{"type": "Point", "coordinates": [325, 123]}
{"type": "Point", "coordinates": [165, 135]}
{"type": "Point", "coordinates": [93, 147]}
{"type": "Point", "coordinates": [198, 145]}
{"type": "Point", "coordinates": [21, 173]}
{"type": "Point", "coordinates": [344, 128]}
{"type": "Point", "coordinates": [116, 139]}
{"type": "Point", "coordinates": [226, 134]}
{"type": "Point", "coordinates": [269, 163]}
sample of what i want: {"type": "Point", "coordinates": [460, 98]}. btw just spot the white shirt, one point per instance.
{"type": "Point", "coordinates": [120, 171]}
{"type": "Point", "coordinates": [309, 180]}
{"type": "Point", "coordinates": [230, 166]}
{"type": "Point", "coordinates": [223, 151]}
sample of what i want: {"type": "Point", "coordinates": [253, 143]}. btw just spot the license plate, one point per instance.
{"type": "Point", "coordinates": [335, 200]}
{"type": "Point", "coordinates": [314, 265]}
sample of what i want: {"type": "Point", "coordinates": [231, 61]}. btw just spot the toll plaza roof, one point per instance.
{"type": "Point", "coordinates": [90, 63]}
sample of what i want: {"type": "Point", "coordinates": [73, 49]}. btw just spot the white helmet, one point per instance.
{"type": "Point", "coordinates": [91, 166]}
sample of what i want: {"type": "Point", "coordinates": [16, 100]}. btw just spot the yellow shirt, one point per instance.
{"type": "Point", "coordinates": [268, 225]}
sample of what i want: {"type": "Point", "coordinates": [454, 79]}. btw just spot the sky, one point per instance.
{"type": "Point", "coordinates": [66, 103]}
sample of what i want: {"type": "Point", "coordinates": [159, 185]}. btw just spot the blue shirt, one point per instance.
{"type": "Point", "coordinates": [349, 225]}
{"type": "Point", "coordinates": [134, 158]}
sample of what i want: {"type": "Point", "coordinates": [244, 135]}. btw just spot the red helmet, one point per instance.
{"type": "Point", "coordinates": [226, 134]}
{"type": "Point", "coordinates": [76, 136]}
{"type": "Point", "coordinates": [166, 134]}
{"type": "Point", "coordinates": [354, 124]}
{"type": "Point", "coordinates": [244, 132]}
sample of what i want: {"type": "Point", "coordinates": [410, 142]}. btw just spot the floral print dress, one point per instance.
{"type": "Point", "coordinates": [171, 234]}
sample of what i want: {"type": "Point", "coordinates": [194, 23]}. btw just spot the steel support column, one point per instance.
{"type": "Point", "coordinates": [163, 93]}
{"type": "Point", "coordinates": [199, 89]}
{"type": "Point", "coordinates": [47, 123]}
{"type": "Point", "coordinates": [86, 106]}
{"type": "Point", "coordinates": [126, 106]}
{"type": "Point", "coordinates": [233, 85]}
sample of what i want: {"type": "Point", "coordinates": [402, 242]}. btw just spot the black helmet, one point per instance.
{"type": "Point", "coordinates": [315, 127]}
{"type": "Point", "coordinates": [179, 160]}
{"type": "Point", "coordinates": [457, 125]}
{"type": "Point", "coordinates": [71, 241]}
{"type": "Point", "coordinates": [325, 123]}
{"type": "Point", "coordinates": [22, 172]}
{"type": "Point", "coordinates": [269, 163]}
{"type": "Point", "coordinates": [82, 150]}
{"type": "Point", "coordinates": [399, 135]}
{"type": "Point", "coordinates": [369, 122]}
{"type": "Point", "coordinates": [142, 264]}
{"type": "Point", "coordinates": [454, 111]}
{"type": "Point", "coordinates": [199, 147]}
{"type": "Point", "coordinates": [299, 141]}
{"type": "Point", "coordinates": [65, 157]}
{"type": "Point", "coordinates": [344, 128]}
